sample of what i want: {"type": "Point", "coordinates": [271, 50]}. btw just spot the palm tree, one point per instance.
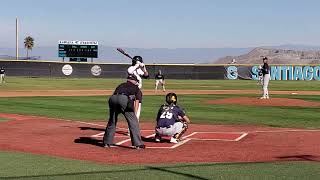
{"type": "Point", "coordinates": [28, 44]}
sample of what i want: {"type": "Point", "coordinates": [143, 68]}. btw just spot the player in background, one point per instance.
{"type": "Point", "coordinates": [160, 80]}
{"type": "Point", "coordinates": [171, 120]}
{"type": "Point", "coordinates": [2, 75]}
{"type": "Point", "coordinates": [139, 70]}
{"type": "Point", "coordinates": [266, 77]}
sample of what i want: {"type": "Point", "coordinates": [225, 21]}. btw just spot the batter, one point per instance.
{"type": "Point", "coordinates": [139, 70]}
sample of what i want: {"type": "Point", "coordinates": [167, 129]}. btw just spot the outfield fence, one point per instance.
{"type": "Point", "coordinates": [171, 71]}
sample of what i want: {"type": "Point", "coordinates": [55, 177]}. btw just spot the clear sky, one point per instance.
{"type": "Point", "coordinates": [163, 23]}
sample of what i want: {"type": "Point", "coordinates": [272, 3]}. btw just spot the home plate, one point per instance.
{"type": "Point", "coordinates": [218, 136]}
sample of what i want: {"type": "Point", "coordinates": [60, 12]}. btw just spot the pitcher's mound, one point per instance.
{"type": "Point", "coordinates": [264, 102]}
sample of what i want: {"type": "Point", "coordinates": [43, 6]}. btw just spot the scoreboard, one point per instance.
{"type": "Point", "coordinates": [78, 49]}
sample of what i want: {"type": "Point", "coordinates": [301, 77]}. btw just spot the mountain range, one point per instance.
{"type": "Point", "coordinates": [275, 56]}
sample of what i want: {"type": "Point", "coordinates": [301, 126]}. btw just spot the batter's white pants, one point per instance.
{"type": "Point", "coordinates": [138, 112]}
{"type": "Point", "coordinates": [266, 79]}
{"type": "Point", "coordinates": [137, 115]}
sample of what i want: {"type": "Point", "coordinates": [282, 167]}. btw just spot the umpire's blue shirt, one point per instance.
{"type": "Point", "coordinates": [131, 90]}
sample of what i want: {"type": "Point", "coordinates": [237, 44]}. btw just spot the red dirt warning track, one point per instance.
{"type": "Point", "coordinates": [99, 92]}
{"type": "Point", "coordinates": [264, 102]}
{"type": "Point", "coordinates": [80, 140]}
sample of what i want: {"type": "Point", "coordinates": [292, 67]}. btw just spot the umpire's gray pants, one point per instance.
{"type": "Point", "coordinates": [119, 104]}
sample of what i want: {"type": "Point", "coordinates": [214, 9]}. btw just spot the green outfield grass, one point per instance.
{"type": "Point", "coordinates": [27, 166]}
{"type": "Point", "coordinates": [95, 108]}
{"type": "Point", "coordinates": [19, 83]}
{"type": "Point", "coordinates": [3, 120]}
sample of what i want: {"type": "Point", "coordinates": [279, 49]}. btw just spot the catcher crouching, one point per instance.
{"type": "Point", "coordinates": [171, 120]}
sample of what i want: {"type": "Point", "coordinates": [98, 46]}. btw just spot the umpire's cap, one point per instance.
{"type": "Point", "coordinates": [171, 98]}
{"type": "Point", "coordinates": [132, 77]}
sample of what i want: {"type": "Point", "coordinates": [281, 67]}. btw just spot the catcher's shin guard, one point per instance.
{"type": "Point", "coordinates": [179, 134]}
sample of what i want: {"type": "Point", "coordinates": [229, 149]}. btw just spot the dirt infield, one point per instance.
{"type": "Point", "coordinates": [265, 102]}
{"type": "Point", "coordinates": [145, 92]}
{"type": "Point", "coordinates": [202, 143]}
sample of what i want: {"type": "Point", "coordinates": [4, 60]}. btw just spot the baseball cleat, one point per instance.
{"type": "Point", "coordinates": [140, 147]}
{"type": "Point", "coordinates": [109, 146]}
{"type": "Point", "coordinates": [157, 138]}
{"type": "Point", "coordinates": [263, 98]}
{"type": "Point", "coordinates": [174, 140]}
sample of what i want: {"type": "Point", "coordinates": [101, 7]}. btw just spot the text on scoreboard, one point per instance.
{"type": "Point", "coordinates": [79, 49]}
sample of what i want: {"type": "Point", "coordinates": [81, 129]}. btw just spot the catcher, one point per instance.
{"type": "Point", "coordinates": [171, 120]}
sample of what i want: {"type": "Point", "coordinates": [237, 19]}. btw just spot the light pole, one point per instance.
{"type": "Point", "coordinates": [17, 39]}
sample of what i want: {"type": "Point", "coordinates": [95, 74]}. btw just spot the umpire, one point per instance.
{"type": "Point", "coordinates": [125, 100]}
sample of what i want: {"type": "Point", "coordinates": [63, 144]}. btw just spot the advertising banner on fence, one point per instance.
{"type": "Point", "coordinates": [282, 72]}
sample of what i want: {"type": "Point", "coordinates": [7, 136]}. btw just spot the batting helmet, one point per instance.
{"type": "Point", "coordinates": [135, 59]}
{"type": "Point", "coordinates": [171, 98]}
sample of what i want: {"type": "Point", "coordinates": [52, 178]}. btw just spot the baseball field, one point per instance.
{"type": "Point", "coordinates": [51, 128]}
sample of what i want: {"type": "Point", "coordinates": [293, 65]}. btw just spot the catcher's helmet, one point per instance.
{"type": "Point", "coordinates": [135, 59]}
{"type": "Point", "coordinates": [171, 98]}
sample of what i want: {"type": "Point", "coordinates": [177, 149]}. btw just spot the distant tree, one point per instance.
{"type": "Point", "coordinates": [28, 44]}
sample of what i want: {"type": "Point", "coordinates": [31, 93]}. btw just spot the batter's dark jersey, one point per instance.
{"type": "Point", "coordinates": [2, 71]}
{"type": "Point", "coordinates": [159, 76]}
{"type": "Point", "coordinates": [265, 69]}
{"type": "Point", "coordinates": [131, 90]}
{"type": "Point", "coordinates": [168, 115]}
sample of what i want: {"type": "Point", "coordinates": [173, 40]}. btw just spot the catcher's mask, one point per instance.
{"type": "Point", "coordinates": [135, 59]}
{"type": "Point", "coordinates": [171, 98]}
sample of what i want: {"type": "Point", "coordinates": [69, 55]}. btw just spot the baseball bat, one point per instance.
{"type": "Point", "coordinates": [124, 53]}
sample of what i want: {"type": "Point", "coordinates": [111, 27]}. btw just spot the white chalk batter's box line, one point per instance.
{"type": "Point", "coordinates": [257, 131]}
{"type": "Point", "coordinates": [185, 139]}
